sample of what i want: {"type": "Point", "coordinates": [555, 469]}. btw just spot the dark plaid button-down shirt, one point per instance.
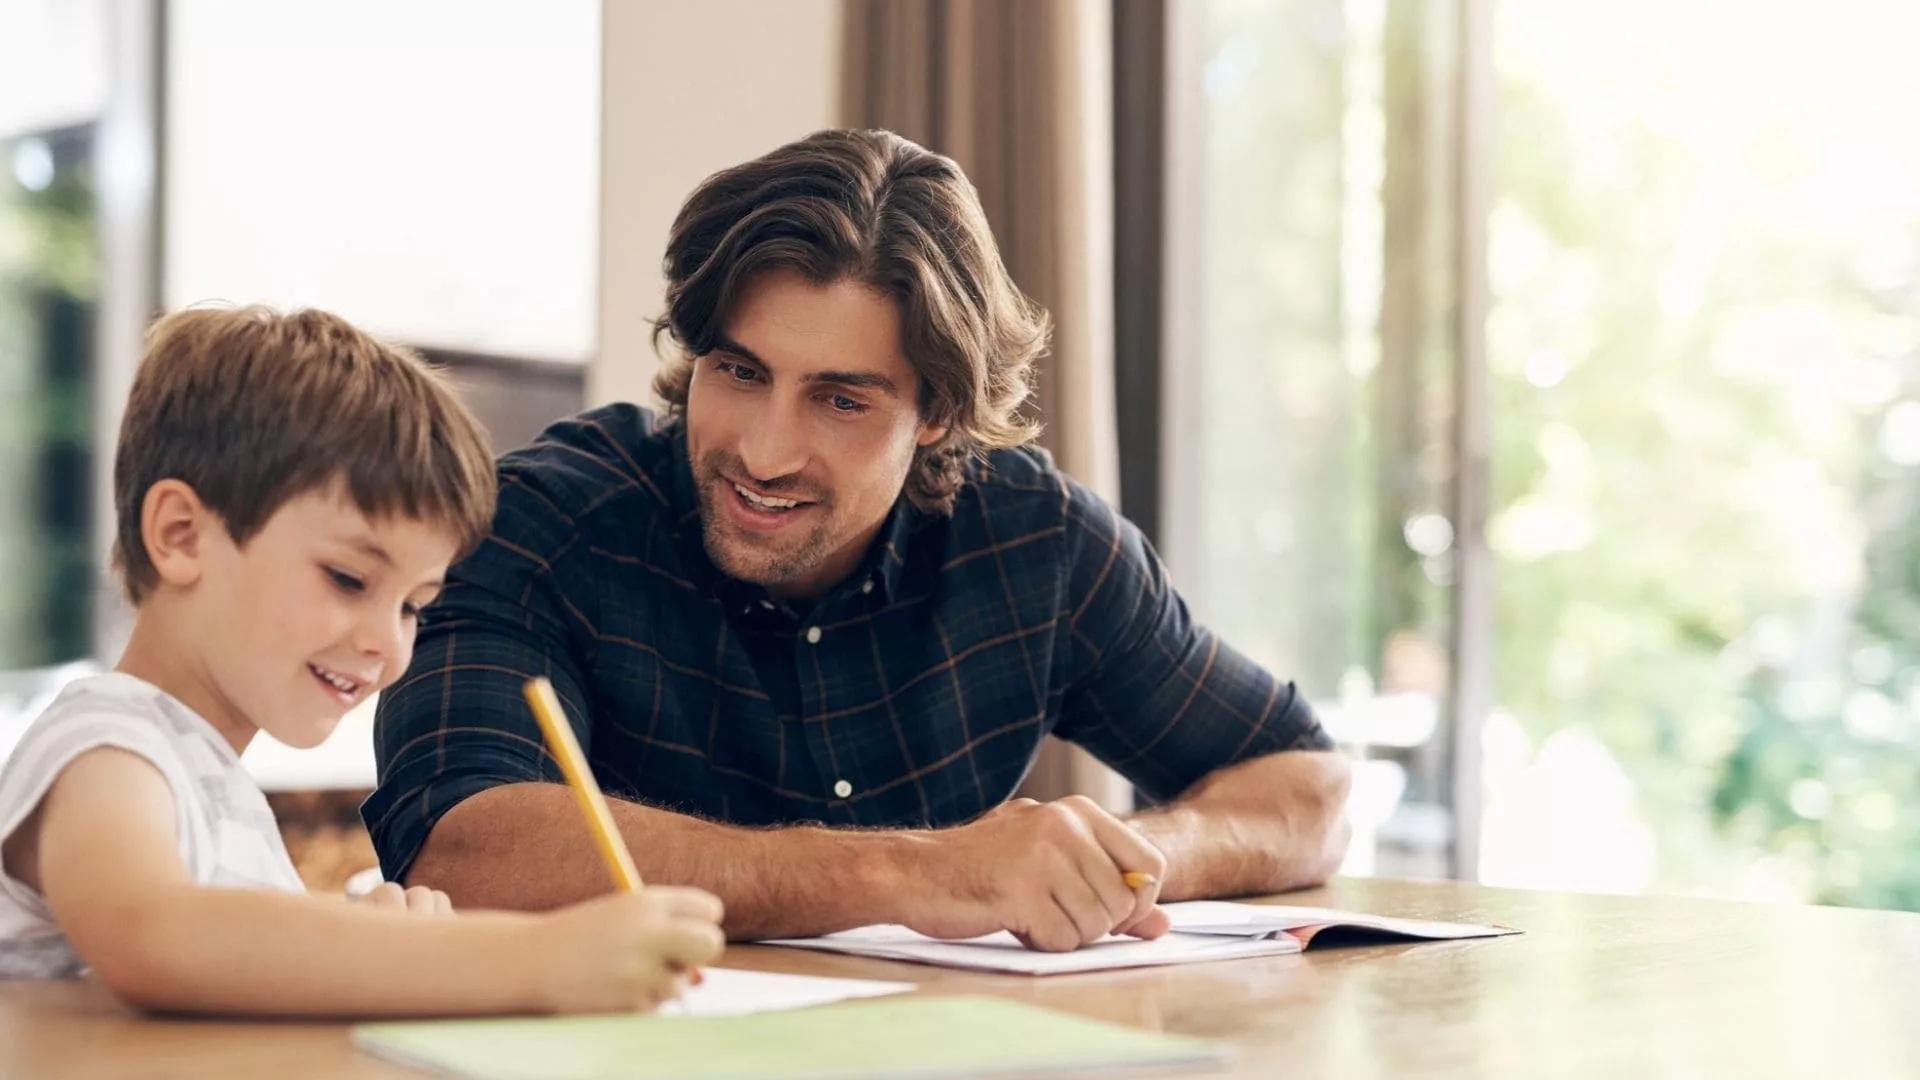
{"type": "Point", "coordinates": [916, 693]}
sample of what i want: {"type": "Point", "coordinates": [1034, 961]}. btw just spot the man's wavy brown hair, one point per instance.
{"type": "Point", "coordinates": [871, 207]}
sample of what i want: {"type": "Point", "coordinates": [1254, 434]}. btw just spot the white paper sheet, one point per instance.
{"type": "Point", "coordinates": [729, 992]}
{"type": "Point", "coordinates": [1003, 952]}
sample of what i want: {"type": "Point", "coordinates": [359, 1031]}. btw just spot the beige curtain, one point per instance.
{"type": "Point", "coordinates": [1019, 93]}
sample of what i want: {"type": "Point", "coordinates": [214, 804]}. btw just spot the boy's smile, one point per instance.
{"type": "Point", "coordinates": [348, 692]}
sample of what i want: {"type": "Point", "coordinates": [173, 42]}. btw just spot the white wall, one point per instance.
{"type": "Point", "coordinates": [427, 168]}
{"type": "Point", "coordinates": [690, 89]}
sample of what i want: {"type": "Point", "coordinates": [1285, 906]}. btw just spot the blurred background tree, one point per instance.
{"type": "Point", "coordinates": [1704, 252]}
{"type": "Point", "coordinates": [49, 262]}
{"type": "Point", "coordinates": [1704, 350]}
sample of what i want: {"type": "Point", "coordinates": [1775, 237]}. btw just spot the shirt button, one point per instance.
{"type": "Point", "coordinates": [813, 638]}
{"type": "Point", "coordinates": [842, 788]}
{"type": "Point", "coordinates": [866, 586]}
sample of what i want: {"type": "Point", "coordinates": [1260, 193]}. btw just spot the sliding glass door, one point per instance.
{"type": "Point", "coordinates": [1689, 389]}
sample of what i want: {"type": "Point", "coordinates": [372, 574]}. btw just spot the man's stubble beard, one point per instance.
{"type": "Point", "coordinates": [742, 559]}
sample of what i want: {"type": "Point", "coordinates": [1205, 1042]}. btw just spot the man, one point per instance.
{"type": "Point", "coordinates": [813, 626]}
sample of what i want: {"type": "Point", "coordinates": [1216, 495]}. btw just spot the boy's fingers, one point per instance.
{"type": "Point", "coordinates": [686, 903]}
{"type": "Point", "coordinates": [688, 944]}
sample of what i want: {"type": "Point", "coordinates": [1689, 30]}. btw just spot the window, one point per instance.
{"type": "Point", "coordinates": [53, 95]}
{"type": "Point", "coordinates": [1702, 382]}
{"type": "Point", "coordinates": [49, 273]}
{"type": "Point", "coordinates": [1308, 378]}
{"type": "Point", "coordinates": [1705, 362]}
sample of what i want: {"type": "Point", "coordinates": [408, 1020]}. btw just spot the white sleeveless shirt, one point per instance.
{"type": "Point", "coordinates": [226, 830]}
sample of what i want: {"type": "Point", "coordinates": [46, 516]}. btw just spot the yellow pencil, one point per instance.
{"type": "Point", "coordinates": [566, 750]}
{"type": "Point", "coordinates": [1138, 879]}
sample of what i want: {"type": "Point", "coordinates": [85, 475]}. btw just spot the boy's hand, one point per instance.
{"type": "Point", "coordinates": [418, 900]}
{"type": "Point", "coordinates": [626, 951]}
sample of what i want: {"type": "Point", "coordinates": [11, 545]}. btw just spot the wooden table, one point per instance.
{"type": "Point", "coordinates": [1598, 986]}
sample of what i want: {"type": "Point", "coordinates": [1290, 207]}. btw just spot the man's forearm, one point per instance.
{"type": "Point", "coordinates": [1266, 825]}
{"type": "Point", "coordinates": [525, 847]}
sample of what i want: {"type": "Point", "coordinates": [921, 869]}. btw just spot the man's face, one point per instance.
{"type": "Point", "coordinates": [801, 426]}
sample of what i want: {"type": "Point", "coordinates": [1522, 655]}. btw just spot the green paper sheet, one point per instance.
{"type": "Point", "coordinates": [898, 1037]}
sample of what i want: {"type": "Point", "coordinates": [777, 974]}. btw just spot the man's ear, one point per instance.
{"type": "Point", "coordinates": [931, 433]}
{"type": "Point", "coordinates": [173, 526]}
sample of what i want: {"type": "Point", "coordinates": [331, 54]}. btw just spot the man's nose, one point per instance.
{"type": "Point", "coordinates": [774, 445]}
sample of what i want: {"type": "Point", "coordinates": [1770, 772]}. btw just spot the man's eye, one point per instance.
{"type": "Point", "coordinates": [845, 404]}
{"type": "Point", "coordinates": [740, 372]}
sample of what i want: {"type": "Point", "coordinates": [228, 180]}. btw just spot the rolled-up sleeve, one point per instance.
{"type": "Point", "coordinates": [1154, 695]}
{"type": "Point", "coordinates": [457, 723]}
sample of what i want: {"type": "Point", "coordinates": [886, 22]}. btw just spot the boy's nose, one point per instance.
{"type": "Point", "coordinates": [385, 640]}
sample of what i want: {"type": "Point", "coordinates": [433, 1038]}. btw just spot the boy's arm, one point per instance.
{"type": "Point", "coordinates": [110, 869]}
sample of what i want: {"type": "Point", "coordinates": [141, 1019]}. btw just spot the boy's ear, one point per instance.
{"type": "Point", "coordinates": [173, 525]}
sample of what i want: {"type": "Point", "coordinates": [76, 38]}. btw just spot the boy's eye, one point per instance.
{"type": "Point", "coordinates": [346, 582]}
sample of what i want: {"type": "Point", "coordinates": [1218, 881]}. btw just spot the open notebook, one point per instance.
{"type": "Point", "coordinates": [918, 1037]}
{"type": "Point", "coordinates": [1203, 930]}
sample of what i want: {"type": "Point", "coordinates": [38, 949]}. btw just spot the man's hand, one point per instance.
{"type": "Point", "coordinates": [1052, 873]}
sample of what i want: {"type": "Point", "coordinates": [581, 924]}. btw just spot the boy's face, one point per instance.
{"type": "Point", "coordinates": [314, 614]}
{"type": "Point", "coordinates": [801, 427]}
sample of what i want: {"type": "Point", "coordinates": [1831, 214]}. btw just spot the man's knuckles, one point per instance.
{"type": "Point", "coordinates": [1060, 826]}
{"type": "Point", "coordinates": [1079, 805]}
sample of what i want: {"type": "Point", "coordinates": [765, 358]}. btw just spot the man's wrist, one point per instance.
{"type": "Point", "coordinates": [1168, 828]}
{"type": "Point", "coordinates": [891, 872]}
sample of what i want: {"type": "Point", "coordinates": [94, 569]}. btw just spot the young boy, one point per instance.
{"type": "Point", "coordinates": [290, 493]}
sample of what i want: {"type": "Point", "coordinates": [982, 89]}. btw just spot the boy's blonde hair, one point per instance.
{"type": "Point", "coordinates": [252, 408]}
